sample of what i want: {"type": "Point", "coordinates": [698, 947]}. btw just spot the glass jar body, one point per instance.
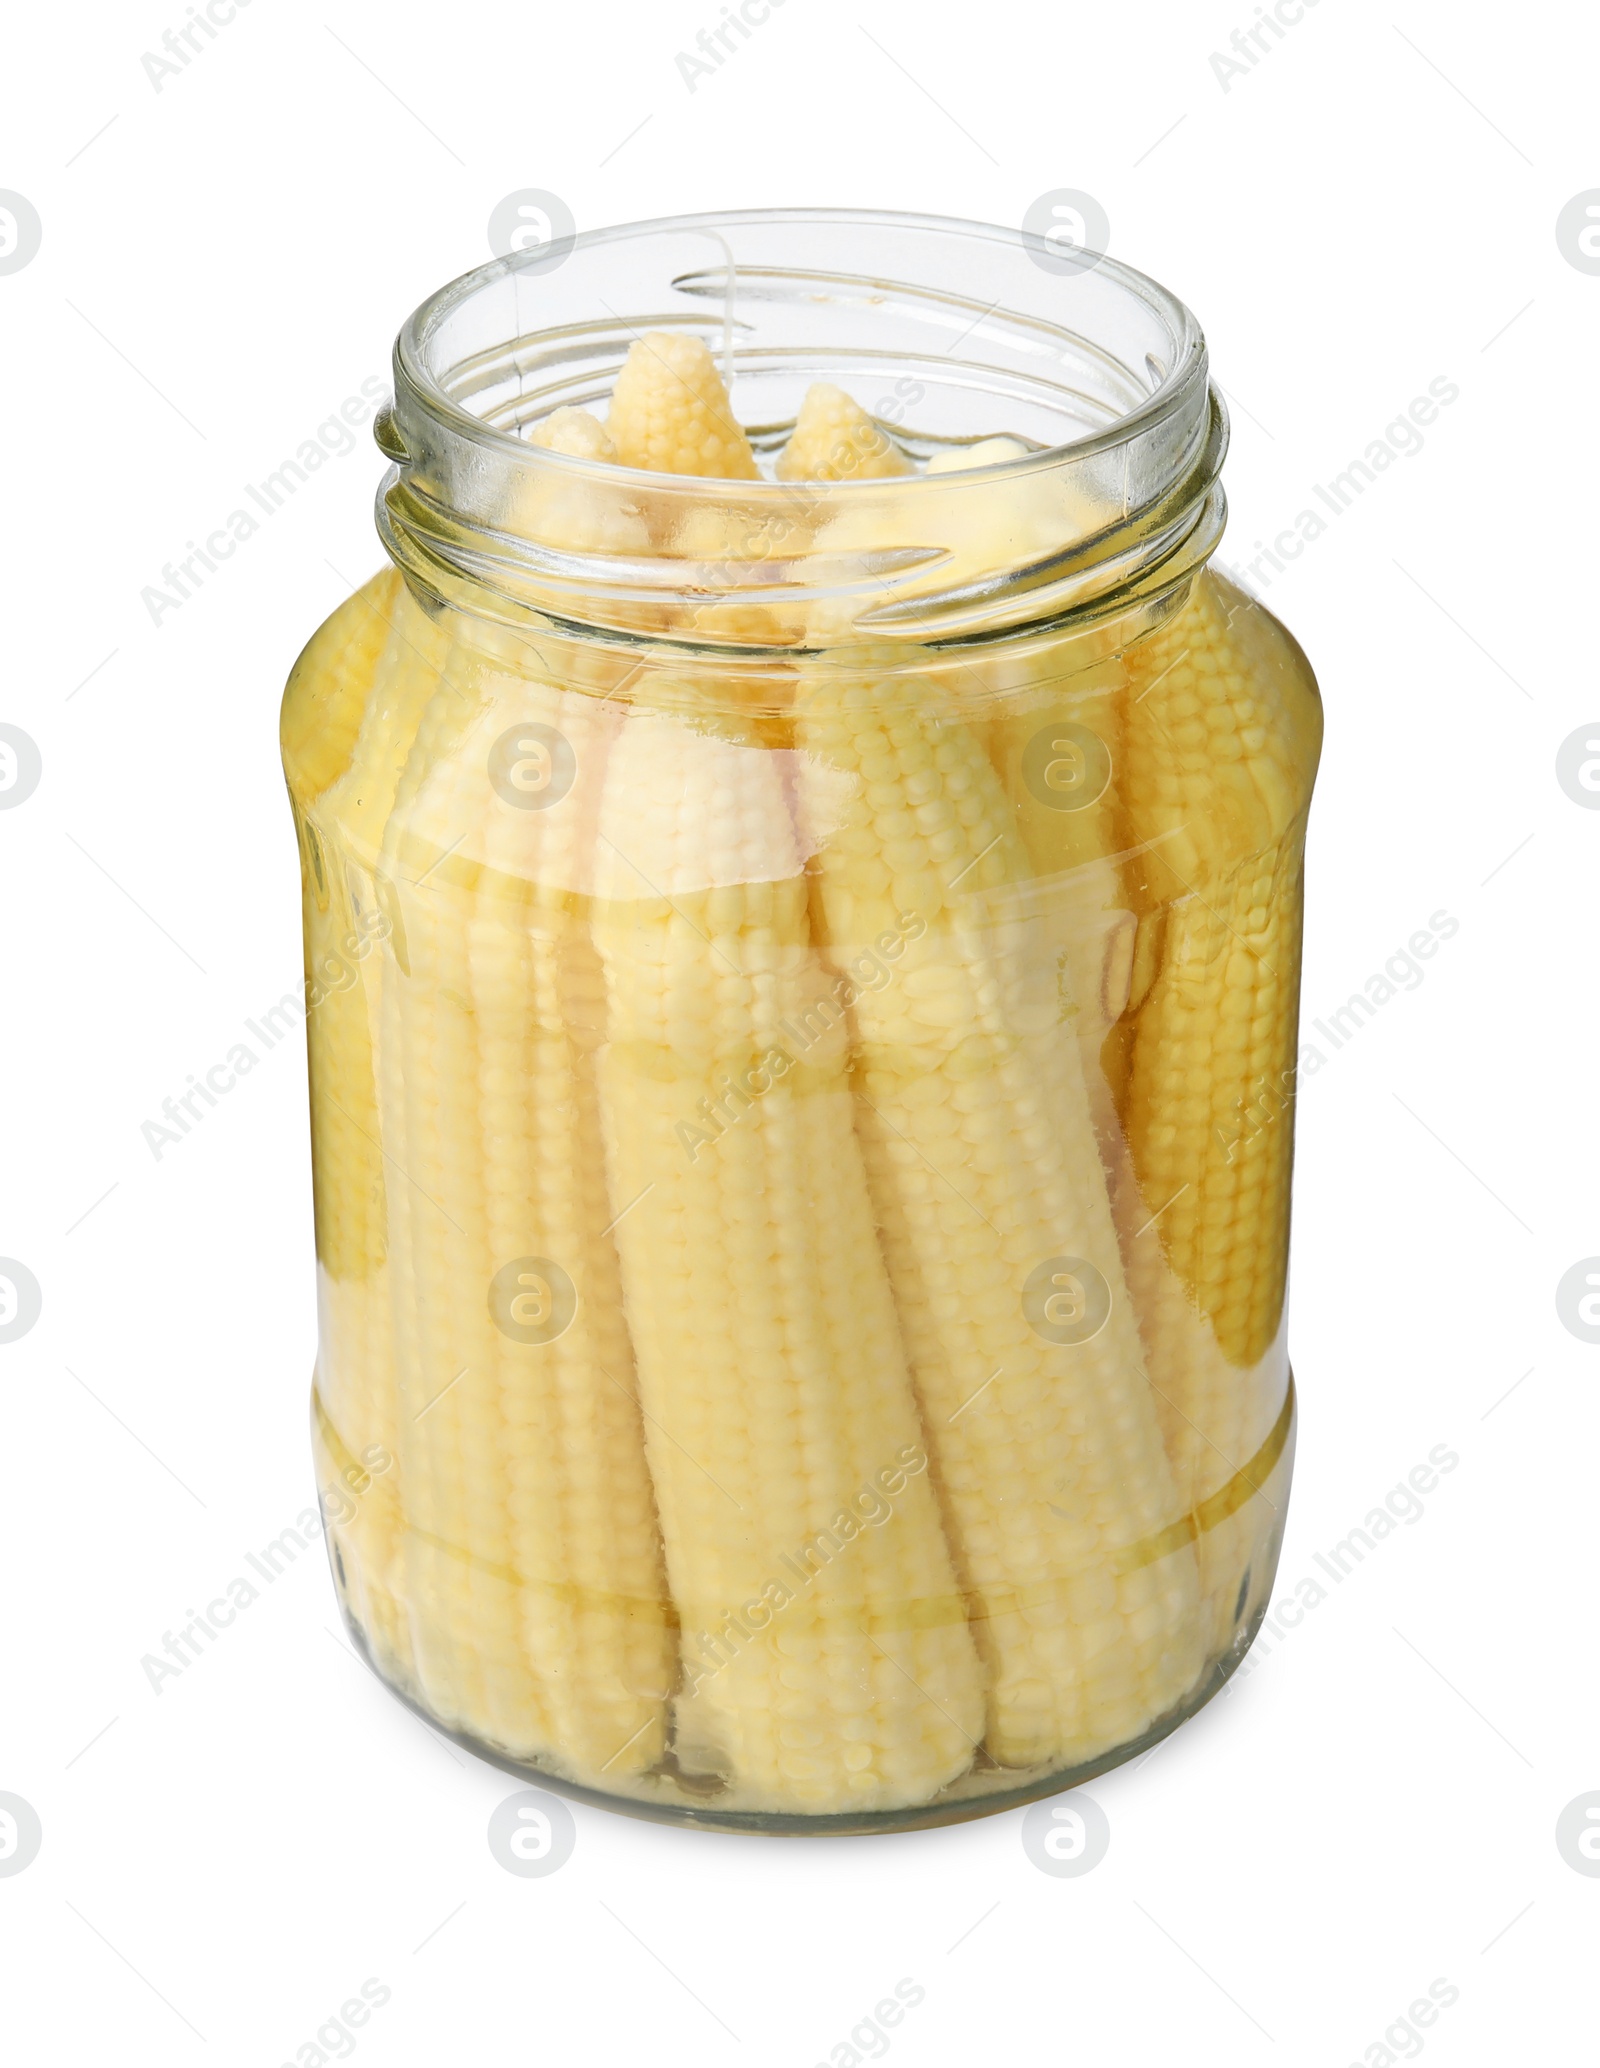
{"type": "Point", "coordinates": [802, 1150]}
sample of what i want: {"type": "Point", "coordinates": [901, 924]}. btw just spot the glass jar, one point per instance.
{"type": "Point", "coordinates": [802, 914]}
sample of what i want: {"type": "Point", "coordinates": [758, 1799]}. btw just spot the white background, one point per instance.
{"type": "Point", "coordinates": [1373, 1805]}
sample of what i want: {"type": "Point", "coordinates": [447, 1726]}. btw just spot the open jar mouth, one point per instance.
{"type": "Point", "coordinates": [946, 332]}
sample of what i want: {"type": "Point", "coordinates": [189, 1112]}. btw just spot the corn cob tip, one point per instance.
{"type": "Point", "coordinates": [835, 440]}
{"type": "Point", "coordinates": [575, 432]}
{"type": "Point", "coordinates": [670, 412]}
{"type": "Point", "coordinates": [988, 452]}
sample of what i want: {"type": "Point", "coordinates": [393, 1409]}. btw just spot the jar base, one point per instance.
{"type": "Point", "coordinates": [974, 1795]}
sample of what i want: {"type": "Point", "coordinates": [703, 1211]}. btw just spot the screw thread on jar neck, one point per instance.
{"type": "Point", "coordinates": [947, 333]}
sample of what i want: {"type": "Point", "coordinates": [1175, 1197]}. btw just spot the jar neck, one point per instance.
{"type": "Point", "coordinates": [946, 333]}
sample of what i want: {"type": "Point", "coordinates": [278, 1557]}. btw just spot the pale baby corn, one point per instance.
{"type": "Point", "coordinates": [985, 1175]}
{"type": "Point", "coordinates": [565, 513]}
{"type": "Point", "coordinates": [670, 412]}
{"type": "Point", "coordinates": [1056, 744]}
{"type": "Point", "coordinates": [856, 1687]}
{"type": "Point", "coordinates": [835, 440]}
{"type": "Point", "coordinates": [576, 432]}
{"type": "Point", "coordinates": [369, 691]}
{"type": "Point", "coordinates": [1219, 752]}
{"type": "Point", "coordinates": [583, 1533]}
{"type": "Point", "coordinates": [537, 1591]}
{"type": "Point", "coordinates": [827, 1663]}
{"type": "Point", "coordinates": [460, 1590]}
{"type": "Point", "coordinates": [537, 1598]}
{"type": "Point", "coordinates": [1212, 805]}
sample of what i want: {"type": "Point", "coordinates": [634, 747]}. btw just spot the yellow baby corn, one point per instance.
{"type": "Point", "coordinates": [827, 1664]}
{"type": "Point", "coordinates": [670, 412]}
{"type": "Point", "coordinates": [328, 687]}
{"type": "Point", "coordinates": [997, 1228]}
{"type": "Point", "coordinates": [1219, 752]}
{"type": "Point", "coordinates": [537, 1598]}
{"type": "Point", "coordinates": [576, 432]}
{"type": "Point", "coordinates": [371, 692]}
{"type": "Point", "coordinates": [835, 440]}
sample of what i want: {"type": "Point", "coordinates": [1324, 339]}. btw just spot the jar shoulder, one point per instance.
{"type": "Point", "coordinates": [330, 683]}
{"type": "Point", "coordinates": [1272, 658]}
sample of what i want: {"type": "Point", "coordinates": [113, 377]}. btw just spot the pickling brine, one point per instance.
{"type": "Point", "coordinates": [802, 1152]}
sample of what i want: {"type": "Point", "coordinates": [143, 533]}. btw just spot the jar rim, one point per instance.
{"type": "Point", "coordinates": [477, 512]}
{"type": "Point", "coordinates": [422, 327]}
